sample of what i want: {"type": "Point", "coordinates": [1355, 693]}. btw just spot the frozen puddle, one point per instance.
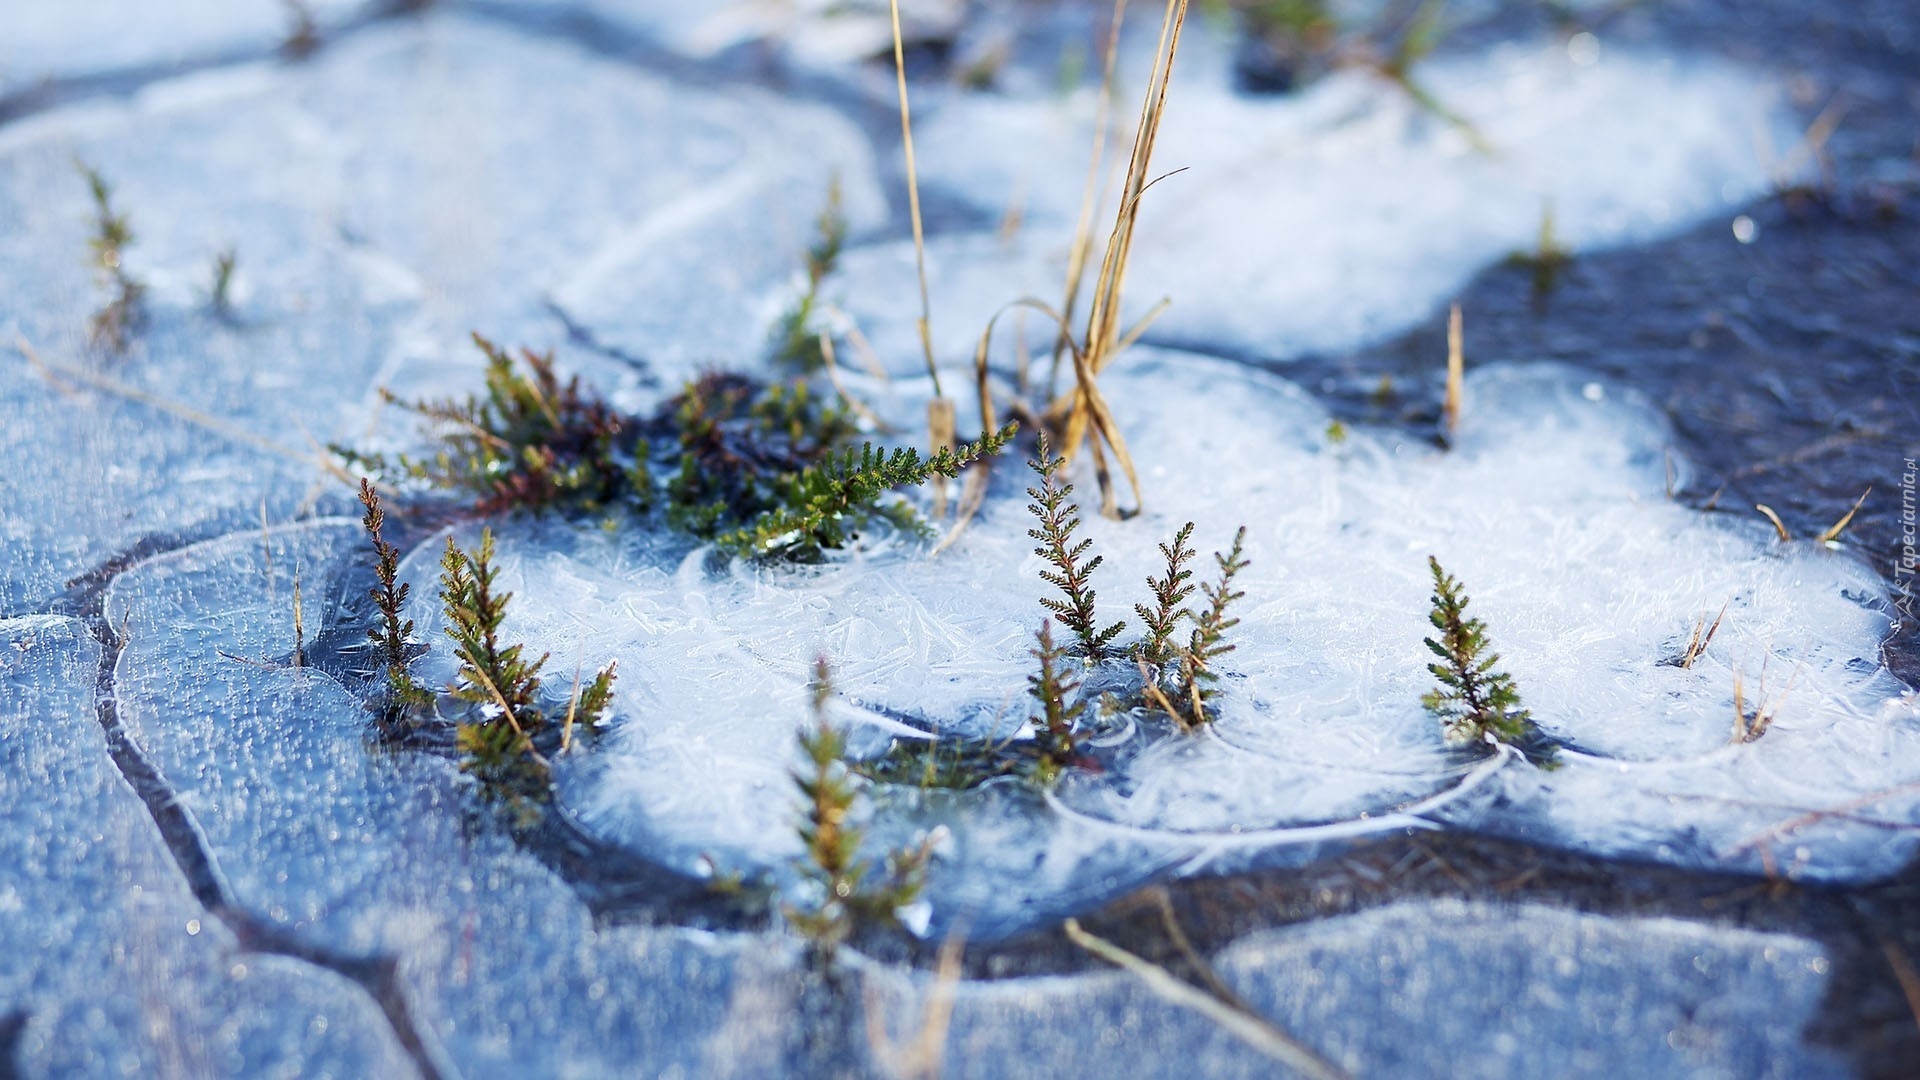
{"type": "Point", "coordinates": [411, 184]}
{"type": "Point", "coordinates": [90, 901]}
{"type": "Point", "coordinates": [1552, 510]}
{"type": "Point", "coordinates": [1337, 216]}
{"type": "Point", "coordinates": [47, 41]}
{"type": "Point", "coordinates": [1520, 991]}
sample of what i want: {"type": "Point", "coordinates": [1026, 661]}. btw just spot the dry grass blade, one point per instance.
{"type": "Point", "coordinates": [1110, 285]}
{"type": "Point", "coordinates": [989, 416]}
{"type": "Point", "coordinates": [1779, 526]}
{"type": "Point", "coordinates": [1456, 369]}
{"type": "Point", "coordinates": [1833, 535]}
{"type": "Point", "coordinates": [54, 373]}
{"type": "Point", "coordinates": [1254, 1030]}
{"type": "Point", "coordinates": [830, 362]}
{"type": "Point", "coordinates": [1904, 974]}
{"type": "Point", "coordinates": [1750, 727]}
{"type": "Point", "coordinates": [1157, 697]}
{"type": "Point", "coordinates": [1702, 637]}
{"type": "Point", "coordinates": [1090, 196]}
{"type": "Point", "coordinates": [299, 625]}
{"type": "Point", "coordinates": [913, 198]}
{"type": "Point", "coordinates": [1085, 411]}
{"type": "Point", "coordinates": [1813, 817]}
{"type": "Point", "coordinates": [921, 1057]}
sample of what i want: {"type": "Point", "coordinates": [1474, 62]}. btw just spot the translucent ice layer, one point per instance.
{"type": "Point", "coordinates": [1330, 218]}
{"type": "Point", "coordinates": [1551, 508]}
{"type": "Point", "coordinates": [818, 35]}
{"type": "Point", "coordinates": [45, 41]}
{"type": "Point", "coordinates": [105, 954]}
{"type": "Point", "coordinates": [409, 185]}
{"type": "Point", "coordinates": [369, 852]}
{"type": "Point", "coordinates": [1408, 990]}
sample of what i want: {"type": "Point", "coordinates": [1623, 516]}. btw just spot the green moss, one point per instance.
{"type": "Point", "coordinates": [767, 470]}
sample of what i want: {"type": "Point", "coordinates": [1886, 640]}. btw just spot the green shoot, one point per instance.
{"type": "Point", "coordinates": [220, 296]}
{"type": "Point", "coordinates": [1476, 704]}
{"type": "Point", "coordinates": [799, 338]}
{"type": "Point", "coordinates": [1055, 718]}
{"type": "Point", "coordinates": [503, 744]}
{"type": "Point", "coordinates": [1207, 642]}
{"type": "Point", "coordinates": [405, 698]}
{"type": "Point", "coordinates": [825, 504]}
{"type": "Point", "coordinates": [112, 327]}
{"type": "Point", "coordinates": [841, 895]}
{"type": "Point", "coordinates": [1059, 517]}
{"type": "Point", "coordinates": [1170, 595]}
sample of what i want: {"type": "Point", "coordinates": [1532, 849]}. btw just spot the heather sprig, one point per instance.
{"type": "Point", "coordinates": [845, 891]}
{"type": "Point", "coordinates": [405, 698]}
{"type": "Point", "coordinates": [1476, 703]}
{"type": "Point", "coordinates": [1059, 517]}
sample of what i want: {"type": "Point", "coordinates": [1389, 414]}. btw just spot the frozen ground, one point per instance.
{"type": "Point", "coordinates": [204, 828]}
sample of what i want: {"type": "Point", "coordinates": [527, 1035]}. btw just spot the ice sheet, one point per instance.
{"type": "Point", "coordinates": [1334, 217]}
{"type": "Point", "coordinates": [1552, 508]}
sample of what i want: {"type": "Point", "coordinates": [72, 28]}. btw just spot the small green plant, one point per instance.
{"type": "Point", "coordinates": [113, 326]}
{"type": "Point", "coordinates": [506, 742]}
{"type": "Point", "coordinates": [1059, 517]}
{"type": "Point", "coordinates": [1169, 596]}
{"type": "Point", "coordinates": [824, 504]}
{"type": "Point", "coordinates": [1208, 640]}
{"type": "Point", "coordinates": [404, 698]}
{"type": "Point", "coordinates": [845, 893]}
{"type": "Point", "coordinates": [1057, 711]}
{"type": "Point", "coordinates": [798, 338]}
{"type": "Point", "coordinates": [765, 470]}
{"type": "Point", "coordinates": [1477, 704]}
{"type": "Point", "coordinates": [531, 443]}
{"type": "Point", "coordinates": [1181, 682]}
{"type": "Point", "coordinates": [739, 441]}
{"type": "Point", "coordinates": [220, 296]}
{"type": "Point", "coordinates": [303, 32]}
{"type": "Point", "coordinates": [1547, 261]}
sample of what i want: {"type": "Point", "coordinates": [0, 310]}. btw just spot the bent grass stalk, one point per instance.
{"type": "Point", "coordinates": [1082, 415]}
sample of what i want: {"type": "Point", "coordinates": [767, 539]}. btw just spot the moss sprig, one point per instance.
{"type": "Point", "coordinates": [824, 504]}
{"type": "Point", "coordinates": [1476, 703]}
{"type": "Point", "coordinates": [1208, 641]}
